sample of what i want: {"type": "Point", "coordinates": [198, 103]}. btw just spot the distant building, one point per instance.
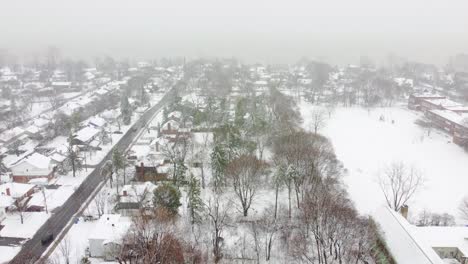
{"type": "Point", "coordinates": [415, 101]}
{"type": "Point", "coordinates": [456, 124]}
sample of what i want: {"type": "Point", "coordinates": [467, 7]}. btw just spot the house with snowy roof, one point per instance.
{"type": "Point", "coordinates": [96, 122]}
{"type": "Point", "coordinates": [9, 136]}
{"type": "Point", "coordinates": [170, 127]}
{"type": "Point", "coordinates": [31, 167]}
{"type": "Point", "coordinates": [410, 244]}
{"type": "Point", "coordinates": [135, 198]}
{"type": "Point", "coordinates": [86, 136]}
{"type": "Point", "coordinates": [106, 239]}
{"type": "Point", "coordinates": [12, 193]}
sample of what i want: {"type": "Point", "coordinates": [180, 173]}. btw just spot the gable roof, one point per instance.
{"type": "Point", "coordinates": [87, 133]}
{"type": "Point", "coordinates": [37, 160]}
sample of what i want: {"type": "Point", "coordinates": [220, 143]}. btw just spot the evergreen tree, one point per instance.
{"type": "Point", "coordinates": [125, 110]}
{"type": "Point", "coordinates": [118, 160]}
{"type": "Point", "coordinates": [167, 196]}
{"type": "Point", "coordinates": [195, 202]}
{"type": "Point", "coordinates": [73, 158]}
{"type": "Point", "coordinates": [180, 171]}
{"type": "Point", "coordinates": [144, 99]}
{"type": "Point", "coordinates": [219, 162]}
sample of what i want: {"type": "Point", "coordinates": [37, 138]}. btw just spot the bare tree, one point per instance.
{"type": "Point", "coordinates": [218, 214]}
{"type": "Point", "coordinates": [244, 173]}
{"type": "Point", "coordinates": [464, 208]}
{"type": "Point", "coordinates": [176, 153]}
{"type": "Point", "coordinates": [151, 240]}
{"type": "Point", "coordinates": [22, 206]}
{"type": "Point", "coordinates": [65, 248]}
{"type": "Point", "coordinates": [100, 202]}
{"type": "Point", "coordinates": [107, 170]}
{"type": "Point", "coordinates": [399, 182]}
{"type": "Point", "coordinates": [318, 119]}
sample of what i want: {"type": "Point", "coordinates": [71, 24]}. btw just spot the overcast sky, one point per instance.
{"type": "Point", "coordinates": [266, 31]}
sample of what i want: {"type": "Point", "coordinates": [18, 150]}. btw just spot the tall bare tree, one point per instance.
{"type": "Point", "coordinates": [218, 214]}
{"type": "Point", "coordinates": [464, 208]}
{"type": "Point", "coordinates": [244, 173]}
{"type": "Point", "coordinates": [399, 182]}
{"type": "Point", "coordinates": [318, 119]}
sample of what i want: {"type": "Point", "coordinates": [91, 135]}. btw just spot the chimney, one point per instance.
{"type": "Point", "coordinates": [142, 171]}
{"type": "Point", "coordinates": [169, 126]}
{"type": "Point", "coordinates": [157, 147]}
{"type": "Point", "coordinates": [404, 211]}
{"type": "Point", "coordinates": [125, 193]}
{"type": "Point", "coordinates": [8, 192]}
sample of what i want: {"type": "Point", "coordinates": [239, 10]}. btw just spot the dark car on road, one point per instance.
{"type": "Point", "coordinates": [47, 239]}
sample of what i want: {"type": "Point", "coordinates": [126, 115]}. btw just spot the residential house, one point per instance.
{"type": "Point", "coordinates": [31, 167]}
{"type": "Point", "coordinates": [170, 127]}
{"type": "Point", "coordinates": [96, 122]}
{"type": "Point", "coordinates": [106, 239]}
{"type": "Point", "coordinates": [9, 136]}
{"type": "Point", "coordinates": [12, 193]}
{"type": "Point", "coordinates": [60, 86]}
{"type": "Point", "coordinates": [176, 115]}
{"type": "Point", "coordinates": [86, 136]}
{"type": "Point", "coordinates": [135, 198]}
{"type": "Point", "coordinates": [111, 115]}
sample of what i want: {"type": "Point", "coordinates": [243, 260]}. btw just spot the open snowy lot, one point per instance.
{"type": "Point", "coordinates": [365, 144]}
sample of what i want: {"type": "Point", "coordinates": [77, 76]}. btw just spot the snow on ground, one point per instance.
{"type": "Point", "coordinates": [8, 253]}
{"type": "Point", "coordinates": [365, 145]}
{"type": "Point", "coordinates": [77, 239]}
{"type": "Point", "coordinates": [32, 222]}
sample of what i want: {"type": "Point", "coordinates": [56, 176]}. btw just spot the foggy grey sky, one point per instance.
{"type": "Point", "coordinates": [267, 31]}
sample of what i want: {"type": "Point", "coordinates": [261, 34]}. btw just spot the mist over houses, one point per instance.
{"type": "Point", "coordinates": [49, 122]}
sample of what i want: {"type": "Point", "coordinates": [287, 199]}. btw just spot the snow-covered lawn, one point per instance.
{"type": "Point", "coordinates": [7, 253]}
{"type": "Point", "coordinates": [364, 145]}
{"type": "Point", "coordinates": [32, 222]}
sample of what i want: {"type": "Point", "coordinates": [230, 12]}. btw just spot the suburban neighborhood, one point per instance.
{"type": "Point", "coordinates": [152, 132]}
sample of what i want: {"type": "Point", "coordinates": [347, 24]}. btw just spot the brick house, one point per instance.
{"type": "Point", "coordinates": [32, 167]}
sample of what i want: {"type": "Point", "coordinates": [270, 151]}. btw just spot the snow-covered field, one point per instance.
{"type": "Point", "coordinates": [364, 145]}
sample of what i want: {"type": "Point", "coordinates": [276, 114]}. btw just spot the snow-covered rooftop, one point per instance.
{"type": "Point", "coordinates": [404, 246]}
{"type": "Point", "coordinates": [10, 134]}
{"type": "Point", "coordinates": [86, 134]}
{"type": "Point", "coordinates": [443, 102]}
{"type": "Point", "coordinates": [17, 190]}
{"type": "Point", "coordinates": [110, 227]}
{"type": "Point", "coordinates": [444, 236]}
{"type": "Point", "coordinates": [137, 192]}
{"type": "Point", "coordinates": [458, 118]}
{"type": "Point", "coordinates": [37, 160]}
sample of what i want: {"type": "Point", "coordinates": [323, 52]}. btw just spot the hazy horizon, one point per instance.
{"type": "Point", "coordinates": [265, 31]}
